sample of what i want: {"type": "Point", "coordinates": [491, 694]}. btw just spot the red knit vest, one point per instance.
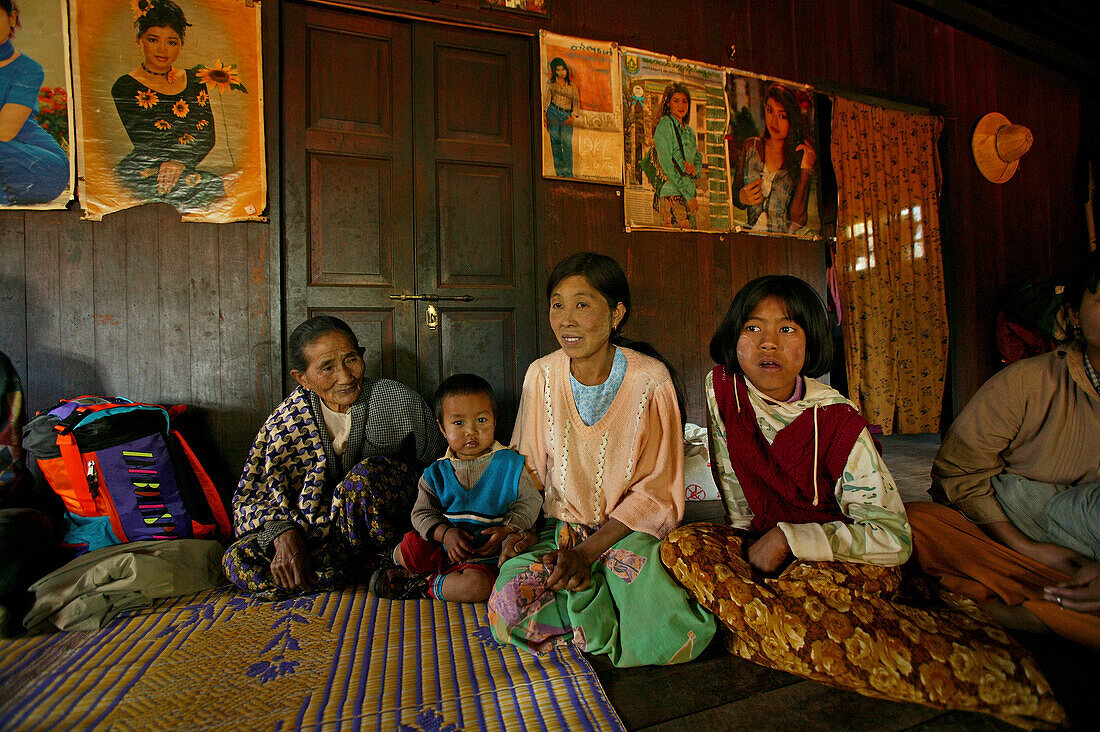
{"type": "Point", "coordinates": [778, 479]}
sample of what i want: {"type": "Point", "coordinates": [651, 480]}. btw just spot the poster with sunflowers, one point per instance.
{"type": "Point", "coordinates": [170, 107]}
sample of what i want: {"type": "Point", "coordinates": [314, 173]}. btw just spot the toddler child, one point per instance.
{"type": "Point", "coordinates": [474, 507]}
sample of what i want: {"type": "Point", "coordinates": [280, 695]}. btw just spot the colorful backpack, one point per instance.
{"type": "Point", "coordinates": [123, 473]}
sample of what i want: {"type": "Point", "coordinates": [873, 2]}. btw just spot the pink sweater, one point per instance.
{"type": "Point", "coordinates": [628, 466]}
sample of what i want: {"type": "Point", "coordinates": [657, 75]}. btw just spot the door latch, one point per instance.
{"type": "Point", "coordinates": [404, 296]}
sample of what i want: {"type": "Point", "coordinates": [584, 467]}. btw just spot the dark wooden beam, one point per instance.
{"type": "Point", "coordinates": [1014, 36]}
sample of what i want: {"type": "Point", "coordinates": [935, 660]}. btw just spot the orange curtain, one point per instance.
{"type": "Point", "coordinates": [888, 264]}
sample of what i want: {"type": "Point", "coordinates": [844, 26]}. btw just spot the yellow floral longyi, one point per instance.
{"type": "Point", "coordinates": [846, 625]}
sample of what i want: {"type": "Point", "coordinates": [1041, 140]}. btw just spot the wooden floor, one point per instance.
{"type": "Point", "coordinates": [721, 692]}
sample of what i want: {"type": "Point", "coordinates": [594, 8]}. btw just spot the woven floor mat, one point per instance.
{"type": "Point", "coordinates": [328, 661]}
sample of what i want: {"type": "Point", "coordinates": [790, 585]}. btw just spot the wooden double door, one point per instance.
{"type": "Point", "coordinates": [408, 174]}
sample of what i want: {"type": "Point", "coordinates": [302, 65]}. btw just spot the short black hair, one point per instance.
{"type": "Point", "coordinates": [600, 271]}
{"type": "Point", "coordinates": [804, 306]}
{"type": "Point", "coordinates": [161, 14]}
{"type": "Point", "coordinates": [9, 7]}
{"type": "Point", "coordinates": [309, 331]}
{"type": "Point", "coordinates": [460, 384]}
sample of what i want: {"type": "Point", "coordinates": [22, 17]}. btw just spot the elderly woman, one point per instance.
{"type": "Point", "coordinates": [599, 423]}
{"type": "Point", "coordinates": [332, 475]}
{"type": "Point", "coordinates": [1016, 525]}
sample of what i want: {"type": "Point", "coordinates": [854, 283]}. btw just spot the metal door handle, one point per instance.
{"type": "Point", "coordinates": [433, 317]}
{"type": "Point", "coordinates": [433, 298]}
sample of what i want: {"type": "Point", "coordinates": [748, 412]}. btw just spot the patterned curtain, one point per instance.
{"type": "Point", "coordinates": [888, 264]}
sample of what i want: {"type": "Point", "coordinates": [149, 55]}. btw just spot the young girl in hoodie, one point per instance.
{"type": "Point", "coordinates": [805, 575]}
{"type": "Point", "coordinates": [794, 460]}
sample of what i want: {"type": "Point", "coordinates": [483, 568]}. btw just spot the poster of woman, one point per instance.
{"type": "Point", "coordinates": [674, 121]}
{"type": "Point", "coordinates": [171, 107]}
{"type": "Point", "coordinates": [773, 141]}
{"type": "Point", "coordinates": [582, 110]}
{"type": "Point", "coordinates": [36, 169]}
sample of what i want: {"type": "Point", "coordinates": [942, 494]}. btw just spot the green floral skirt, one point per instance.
{"type": "Point", "coordinates": [631, 612]}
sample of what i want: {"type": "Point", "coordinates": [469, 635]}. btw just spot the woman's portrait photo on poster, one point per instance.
{"type": "Point", "coordinates": [186, 128]}
{"type": "Point", "coordinates": [773, 140]}
{"type": "Point", "coordinates": [581, 104]}
{"type": "Point", "coordinates": [561, 112]}
{"type": "Point", "coordinates": [676, 172]}
{"type": "Point", "coordinates": [167, 115]}
{"type": "Point", "coordinates": [35, 167]}
{"type": "Point", "coordinates": [678, 158]}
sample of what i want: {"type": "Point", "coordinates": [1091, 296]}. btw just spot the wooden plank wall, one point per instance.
{"type": "Point", "coordinates": [145, 306]}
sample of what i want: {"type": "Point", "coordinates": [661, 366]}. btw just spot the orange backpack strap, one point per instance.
{"type": "Point", "coordinates": [78, 479]}
{"type": "Point", "coordinates": [212, 498]}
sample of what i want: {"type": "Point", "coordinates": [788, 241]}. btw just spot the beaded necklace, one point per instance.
{"type": "Point", "coordinates": [156, 73]}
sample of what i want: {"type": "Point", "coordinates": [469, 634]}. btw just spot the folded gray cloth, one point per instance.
{"type": "Point", "coordinates": [93, 588]}
{"type": "Point", "coordinates": [1066, 515]}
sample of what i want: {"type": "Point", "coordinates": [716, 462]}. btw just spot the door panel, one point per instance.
{"type": "Point", "coordinates": [350, 244]}
{"type": "Point", "coordinates": [484, 338]}
{"type": "Point", "coordinates": [473, 208]}
{"type": "Point", "coordinates": [475, 241]}
{"type": "Point", "coordinates": [351, 76]}
{"type": "Point", "coordinates": [347, 192]}
{"type": "Point", "coordinates": [408, 171]}
{"type": "Point", "coordinates": [481, 112]}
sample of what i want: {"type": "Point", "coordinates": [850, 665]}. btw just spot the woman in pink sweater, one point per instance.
{"type": "Point", "coordinates": [599, 423]}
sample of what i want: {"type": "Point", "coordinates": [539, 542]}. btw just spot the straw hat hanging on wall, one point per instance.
{"type": "Point", "coordinates": [998, 146]}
